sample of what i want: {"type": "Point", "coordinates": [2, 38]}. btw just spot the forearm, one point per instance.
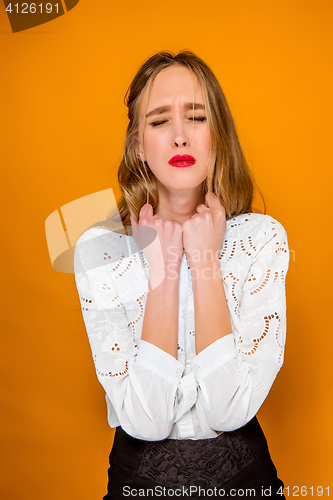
{"type": "Point", "coordinates": [212, 320]}
{"type": "Point", "coordinates": [160, 322]}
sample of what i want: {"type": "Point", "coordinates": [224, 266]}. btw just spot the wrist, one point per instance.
{"type": "Point", "coordinates": [164, 277]}
{"type": "Point", "coordinates": [209, 263]}
{"type": "Point", "coordinates": [206, 272]}
{"type": "Point", "coordinates": [200, 259]}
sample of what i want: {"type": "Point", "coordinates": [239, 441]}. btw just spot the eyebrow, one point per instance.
{"type": "Point", "coordinates": [163, 109]}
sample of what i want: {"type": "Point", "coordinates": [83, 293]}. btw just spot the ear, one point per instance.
{"type": "Point", "coordinates": [140, 154]}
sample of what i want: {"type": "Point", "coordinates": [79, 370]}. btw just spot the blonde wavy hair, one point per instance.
{"type": "Point", "coordinates": [229, 176]}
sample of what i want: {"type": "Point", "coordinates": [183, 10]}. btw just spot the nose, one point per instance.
{"type": "Point", "coordinates": [180, 141]}
{"type": "Point", "coordinates": [180, 138]}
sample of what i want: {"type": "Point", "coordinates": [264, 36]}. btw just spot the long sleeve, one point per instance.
{"type": "Point", "coordinates": [139, 379]}
{"type": "Point", "coordinates": [148, 392]}
{"type": "Point", "coordinates": [235, 373]}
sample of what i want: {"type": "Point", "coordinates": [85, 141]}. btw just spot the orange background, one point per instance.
{"type": "Point", "coordinates": [61, 131]}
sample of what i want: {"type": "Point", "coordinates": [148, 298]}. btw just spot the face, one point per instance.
{"type": "Point", "coordinates": [174, 131]}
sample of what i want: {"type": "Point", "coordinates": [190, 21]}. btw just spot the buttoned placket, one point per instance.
{"type": "Point", "coordinates": [188, 382]}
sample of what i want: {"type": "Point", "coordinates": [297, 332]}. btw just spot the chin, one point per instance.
{"type": "Point", "coordinates": [183, 186]}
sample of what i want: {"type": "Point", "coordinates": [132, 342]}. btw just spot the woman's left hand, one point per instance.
{"type": "Point", "coordinates": [200, 241]}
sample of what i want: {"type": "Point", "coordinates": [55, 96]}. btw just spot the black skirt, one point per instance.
{"type": "Point", "coordinates": [235, 464]}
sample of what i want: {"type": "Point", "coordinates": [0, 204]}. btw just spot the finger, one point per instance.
{"type": "Point", "coordinates": [158, 217]}
{"type": "Point", "coordinates": [209, 199]}
{"type": "Point", "coordinates": [143, 210]}
{"type": "Point", "coordinates": [133, 221]}
{"type": "Point", "coordinates": [146, 210]}
{"type": "Point", "coordinates": [201, 207]}
{"type": "Point", "coordinates": [214, 201]}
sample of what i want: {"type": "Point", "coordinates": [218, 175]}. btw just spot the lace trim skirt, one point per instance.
{"type": "Point", "coordinates": [235, 464]}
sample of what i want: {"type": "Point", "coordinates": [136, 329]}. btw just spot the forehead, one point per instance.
{"type": "Point", "coordinates": [176, 83]}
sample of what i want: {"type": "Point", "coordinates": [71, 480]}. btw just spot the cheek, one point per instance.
{"type": "Point", "coordinates": [206, 142]}
{"type": "Point", "coordinates": [152, 144]}
{"type": "Point", "coordinates": [202, 139]}
{"type": "Point", "coordinates": [147, 143]}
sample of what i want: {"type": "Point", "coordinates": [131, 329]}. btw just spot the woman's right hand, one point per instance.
{"type": "Point", "coordinates": [165, 253]}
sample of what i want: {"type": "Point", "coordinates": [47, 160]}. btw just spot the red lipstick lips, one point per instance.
{"type": "Point", "coordinates": [182, 161]}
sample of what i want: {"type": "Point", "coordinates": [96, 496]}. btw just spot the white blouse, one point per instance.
{"type": "Point", "coordinates": [149, 393]}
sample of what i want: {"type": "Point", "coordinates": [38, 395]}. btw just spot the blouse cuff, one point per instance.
{"type": "Point", "coordinates": [215, 355]}
{"type": "Point", "coordinates": [159, 362]}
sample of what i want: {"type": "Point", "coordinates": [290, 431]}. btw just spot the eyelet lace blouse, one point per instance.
{"type": "Point", "coordinates": [149, 393]}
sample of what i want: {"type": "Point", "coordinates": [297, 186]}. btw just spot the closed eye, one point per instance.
{"type": "Point", "coordinates": [157, 123]}
{"type": "Point", "coordinates": [198, 118]}
{"type": "Point", "coordinates": [194, 118]}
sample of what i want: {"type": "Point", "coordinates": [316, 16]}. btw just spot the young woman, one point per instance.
{"type": "Point", "coordinates": [187, 329]}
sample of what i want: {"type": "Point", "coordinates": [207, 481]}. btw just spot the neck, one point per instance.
{"type": "Point", "coordinates": [179, 205]}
